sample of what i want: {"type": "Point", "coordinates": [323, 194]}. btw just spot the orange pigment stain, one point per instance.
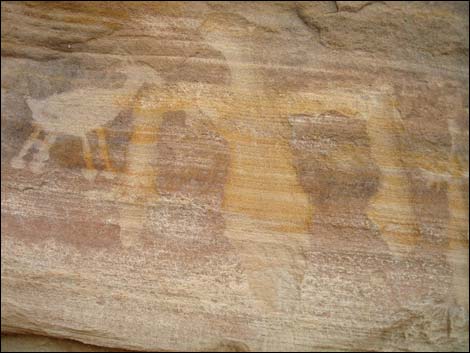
{"type": "Point", "coordinates": [87, 155]}
{"type": "Point", "coordinates": [103, 147]}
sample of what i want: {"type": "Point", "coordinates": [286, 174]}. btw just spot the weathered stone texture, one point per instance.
{"type": "Point", "coordinates": [236, 175]}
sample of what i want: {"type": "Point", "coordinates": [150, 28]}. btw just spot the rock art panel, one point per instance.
{"type": "Point", "coordinates": [263, 176]}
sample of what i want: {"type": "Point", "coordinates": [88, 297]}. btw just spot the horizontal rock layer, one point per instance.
{"type": "Point", "coordinates": [236, 175]}
{"type": "Point", "coordinates": [32, 343]}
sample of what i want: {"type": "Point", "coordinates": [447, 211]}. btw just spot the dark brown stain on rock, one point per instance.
{"type": "Point", "coordinates": [73, 223]}
{"type": "Point", "coordinates": [67, 152]}
{"type": "Point", "coordinates": [334, 165]}
{"type": "Point", "coordinates": [16, 124]}
{"type": "Point", "coordinates": [116, 136]}
{"type": "Point", "coordinates": [431, 207]}
{"type": "Point", "coordinates": [191, 163]}
{"type": "Point", "coordinates": [426, 146]}
{"type": "Point", "coordinates": [333, 161]}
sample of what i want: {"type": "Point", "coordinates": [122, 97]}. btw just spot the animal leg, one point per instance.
{"type": "Point", "coordinates": [89, 172]}
{"type": "Point", "coordinates": [18, 162]}
{"type": "Point", "coordinates": [42, 156]}
{"type": "Point", "coordinates": [103, 147]}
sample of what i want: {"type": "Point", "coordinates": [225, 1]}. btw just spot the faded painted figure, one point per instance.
{"type": "Point", "coordinates": [78, 113]}
{"type": "Point", "coordinates": [347, 255]}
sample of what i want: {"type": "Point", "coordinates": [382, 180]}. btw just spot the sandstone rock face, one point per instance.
{"type": "Point", "coordinates": [32, 343]}
{"type": "Point", "coordinates": [236, 175]}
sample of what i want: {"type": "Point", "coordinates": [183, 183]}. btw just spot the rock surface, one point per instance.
{"type": "Point", "coordinates": [236, 175]}
{"type": "Point", "coordinates": [32, 343]}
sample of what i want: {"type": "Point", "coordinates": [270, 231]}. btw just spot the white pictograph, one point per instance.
{"type": "Point", "coordinates": [77, 113]}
